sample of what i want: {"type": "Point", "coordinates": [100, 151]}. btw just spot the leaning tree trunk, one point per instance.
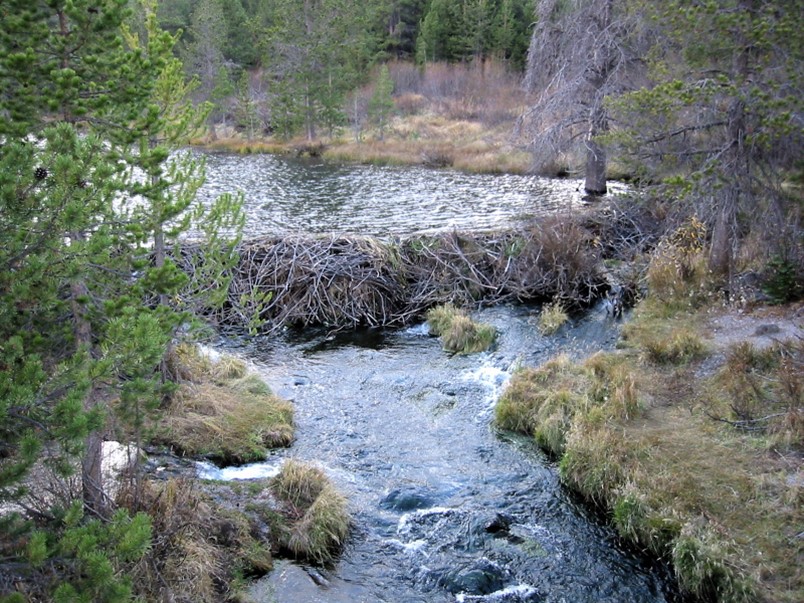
{"type": "Point", "coordinates": [595, 153]}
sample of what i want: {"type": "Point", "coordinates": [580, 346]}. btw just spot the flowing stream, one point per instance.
{"type": "Point", "coordinates": [445, 508]}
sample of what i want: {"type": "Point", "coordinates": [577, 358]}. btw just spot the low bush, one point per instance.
{"type": "Point", "coordinates": [760, 391]}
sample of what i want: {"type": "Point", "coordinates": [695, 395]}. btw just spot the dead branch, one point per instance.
{"type": "Point", "coordinates": [345, 281]}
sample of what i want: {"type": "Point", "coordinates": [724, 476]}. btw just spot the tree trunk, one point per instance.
{"type": "Point", "coordinates": [595, 154]}
{"type": "Point", "coordinates": [735, 159]}
{"type": "Point", "coordinates": [92, 491]}
{"type": "Point", "coordinates": [721, 251]}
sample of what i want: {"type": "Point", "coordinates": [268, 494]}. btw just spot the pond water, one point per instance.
{"type": "Point", "coordinates": [285, 195]}
{"type": "Point", "coordinates": [445, 508]}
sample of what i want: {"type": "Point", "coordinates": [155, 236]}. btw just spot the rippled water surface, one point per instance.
{"type": "Point", "coordinates": [445, 508]}
{"type": "Point", "coordinates": [296, 195]}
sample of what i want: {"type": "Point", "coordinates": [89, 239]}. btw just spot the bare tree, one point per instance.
{"type": "Point", "coordinates": [580, 52]}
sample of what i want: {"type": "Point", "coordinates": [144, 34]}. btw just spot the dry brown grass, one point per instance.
{"type": "Point", "coordinates": [199, 551]}
{"type": "Point", "coordinates": [723, 503]}
{"type": "Point", "coordinates": [435, 141]}
{"type": "Point", "coordinates": [224, 413]}
{"type": "Point", "coordinates": [461, 116]}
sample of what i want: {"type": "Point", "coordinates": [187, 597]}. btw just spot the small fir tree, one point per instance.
{"type": "Point", "coordinates": [381, 104]}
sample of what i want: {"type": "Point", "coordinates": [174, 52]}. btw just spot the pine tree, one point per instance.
{"type": "Point", "coordinates": [722, 111]}
{"type": "Point", "coordinates": [319, 50]}
{"type": "Point", "coordinates": [381, 103]}
{"type": "Point", "coordinates": [90, 205]}
{"type": "Point", "coordinates": [246, 107]}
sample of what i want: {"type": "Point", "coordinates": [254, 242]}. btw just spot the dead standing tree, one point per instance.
{"type": "Point", "coordinates": [580, 52]}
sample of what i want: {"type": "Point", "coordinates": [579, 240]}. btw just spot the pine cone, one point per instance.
{"type": "Point", "coordinates": [40, 173]}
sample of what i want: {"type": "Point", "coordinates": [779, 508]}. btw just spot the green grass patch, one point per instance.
{"type": "Point", "coordinates": [459, 334]}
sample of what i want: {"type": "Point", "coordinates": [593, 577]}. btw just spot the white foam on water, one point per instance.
{"type": "Point", "coordinates": [493, 378]}
{"type": "Point", "coordinates": [420, 330]}
{"type": "Point", "coordinates": [518, 590]}
{"type": "Point", "coordinates": [402, 527]}
{"type": "Point", "coordinates": [412, 547]}
{"type": "Point", "coordinates": [206, 470]}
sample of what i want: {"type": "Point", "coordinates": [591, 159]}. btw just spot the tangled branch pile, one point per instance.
{"type": "Point", "coordinates": [344, 281]}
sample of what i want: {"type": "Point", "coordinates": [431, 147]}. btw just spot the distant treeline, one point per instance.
{"type": "Point", "coordinates": [286, 67]}
{"type": "Point", "coordinates": [424, 30]}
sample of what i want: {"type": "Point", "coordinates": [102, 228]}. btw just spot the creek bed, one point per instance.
{"type": "Point", "coordinates": [445, 508]}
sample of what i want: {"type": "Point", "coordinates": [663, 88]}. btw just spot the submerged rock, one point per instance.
{"type": "Point", "coordinates": [482, 577]}
{"type": "Point", "coordinates": [406, 500]}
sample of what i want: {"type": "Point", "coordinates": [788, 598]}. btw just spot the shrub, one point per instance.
{"type": "Point", "coordinates": [678, 273]}
{"type": "Point", "coordinates": [552, 317]}
{"type": "Point", "coordinates": [784, 281]}
{"type": "Point", "coordinates": [198, 549]}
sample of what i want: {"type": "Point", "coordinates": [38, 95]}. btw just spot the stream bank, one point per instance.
{"type": "Point", "coordinates": [445, 509]}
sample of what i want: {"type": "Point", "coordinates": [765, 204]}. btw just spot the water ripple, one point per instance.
{"type": "Point", "coordinates": [285, 195]}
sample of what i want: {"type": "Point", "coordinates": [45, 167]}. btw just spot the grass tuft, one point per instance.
{"type": "Point", "coordinates": [225, 414]}
{"type": "Point", "coordinates": [459, 333]}
{"type": "Point", "coordinates": [680, 346]}
{"type": "Point", "coordinates": [552, 318]}
{"type": "Point", "coordinates": [314, 521]}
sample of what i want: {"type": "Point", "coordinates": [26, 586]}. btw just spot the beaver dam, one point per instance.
{"type": "Point", "coordinates": [343, 281]}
